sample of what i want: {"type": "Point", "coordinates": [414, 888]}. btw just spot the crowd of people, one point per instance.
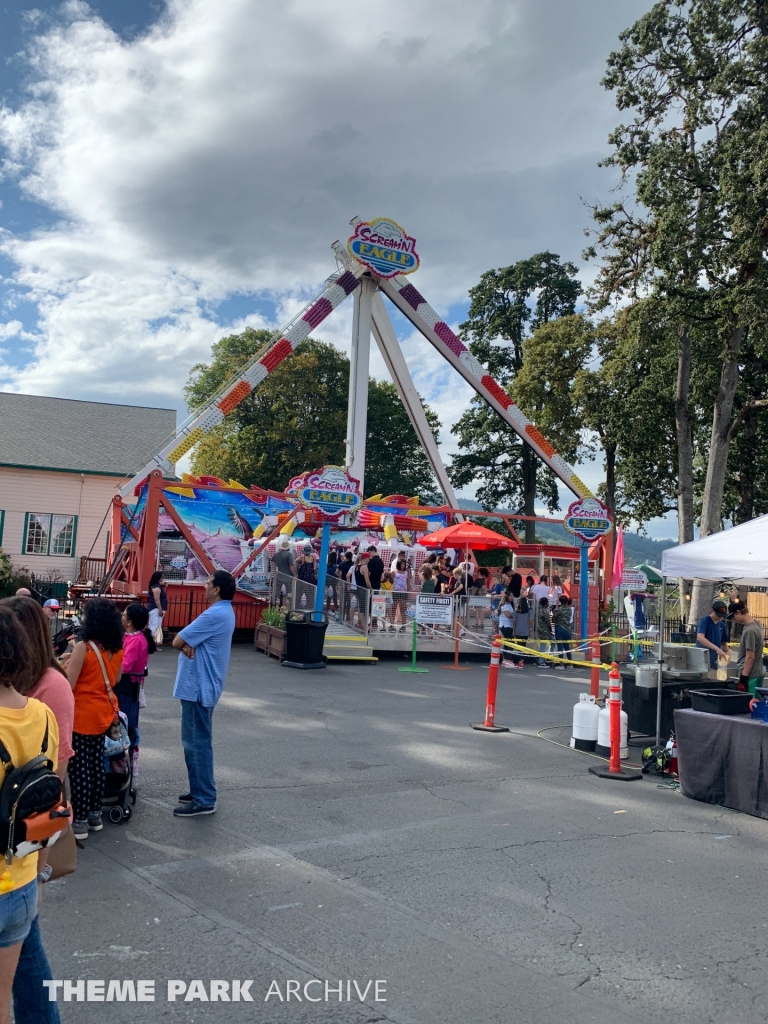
{"type": "Point", "coordinates": [520, 608]}
{"type": "Point", "coordinates": [73, 719]}
{"type": "Point", "coordinates": [353, 575]}
{"type": "Point", "coordinates": [528, 610]}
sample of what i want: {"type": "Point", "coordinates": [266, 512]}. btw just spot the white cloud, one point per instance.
{"type": "Point", "coordinates": [12, 329]}
{"type": "Point", "coordinates": [224, 150]}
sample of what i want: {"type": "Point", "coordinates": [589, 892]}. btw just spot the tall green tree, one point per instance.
{"type": "Point", "coordinates": [553, 356]}
{"type": "Point", "coordinates": [627, 400]}
{"type": "Point", "coordinates": [297, 418]}
{"type": "Point", "coordinates": [504, 306]}
{"type": "Point", "coordinates": [693, 77]}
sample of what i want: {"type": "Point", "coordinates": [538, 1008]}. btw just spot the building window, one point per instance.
{"type": "Point", "coordinates": [62, 535]}
{"type": "Point", "coordinates": [46, 534]}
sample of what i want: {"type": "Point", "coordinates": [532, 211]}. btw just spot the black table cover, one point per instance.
{"type": "Point", "coordinates": [723, 759]}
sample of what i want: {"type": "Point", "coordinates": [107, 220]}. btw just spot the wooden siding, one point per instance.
{"type": "Point", "coordinates": [32, 490]}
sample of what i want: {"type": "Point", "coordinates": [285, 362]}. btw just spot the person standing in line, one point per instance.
{"type": "Point", "coordinates": [47, 682]}
{"type": "Point", "coordinates": [522, 620]}
{"type": "Point", "coordinates": [443, 577]}
{"type": "Point", "coordinates": [93, 670]}
{"type": "Point", "coordinates": [507, 618]}
{"type": "Point", "coordinates": [750, 657]}
{"type": "Point", "coordinates": [387, 588]}
{"type": "Point", "coordinates": [427, 581]}
{"type": "Point", "coordinates": [400, 581]}
{"type": "Point", "coordinates": [541, 589]}
{"type": "Point", "coordinates": [24, 723]}
{"type": "Point", "coordinates": [362, 588]}
{"type": "Point", "coordinates": [346, 575]}
{"type": "Point", "coordinates": [205, 646]}
{"type": "Point", "coordinates": [555, 591]}
{"type": "Point", "coordinates": [283, 559]}
{"type": "Point", "coordinates": [331, 582]}
{"type": "Point", "coordinates": [527, 592]}
{"type": "Point", "coordinates": [426, 586]}
{"type": "Point", "coordinates": [157, 605]}
{"type": "Point", "coordinates": [480, 598]}
{"type": "Point", "coordinates": [306, 565]}
{"type": "Point", "coordinates": [543, 627]}
{"type": "Point", "coordinates": [457, 588]}
{"type": "Point", "coordinates": [138, 644]}
{"type": "Point", "coordinates": [561, 619]}
{"type": "Point", "coordinates": [712, 634]}
{"type": "Point", "coordinates": [496, 591]}
{"type": "Point", "coordinates": [51, 610]}
{"type": "Point", "coordinates": [375, 567]}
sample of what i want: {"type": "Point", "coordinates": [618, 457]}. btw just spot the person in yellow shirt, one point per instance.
{"type": "Point", "coordinates": [23, 723]}
{"type": "Point", "coordinates": [387, 585]}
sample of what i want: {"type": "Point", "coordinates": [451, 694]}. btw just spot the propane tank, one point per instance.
{"type": "Point", "coordinates": [585, 716]}
{"type": "Point", "coordinates": [603, 747]}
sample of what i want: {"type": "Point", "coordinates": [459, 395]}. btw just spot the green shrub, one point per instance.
{"type": "Point", "coordinates": [10, 577]}
{"type": "Point", "coordinates": [273, 617]}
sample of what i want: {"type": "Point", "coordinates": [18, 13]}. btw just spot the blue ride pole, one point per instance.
{"type": "Point", "coordinates": [584, 593]}
{"type": "Point", "coordinates": [322, 569]}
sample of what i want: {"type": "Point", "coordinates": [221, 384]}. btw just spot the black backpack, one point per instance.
{"type": "Point", "coordinates": [33, 808]}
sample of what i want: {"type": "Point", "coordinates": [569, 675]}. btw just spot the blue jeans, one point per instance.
{"type": "Point", "coordinates": [197, 740]}
{"type": "Point", "coordinates": [18, 909]}
{"type": "Point", "coordinates": [561, 633]}
{"type": "Point", "coordinates": [31, 1004]}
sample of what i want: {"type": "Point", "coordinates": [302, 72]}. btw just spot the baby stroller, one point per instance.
{"type": "Point", "coordinates": [119, 791]}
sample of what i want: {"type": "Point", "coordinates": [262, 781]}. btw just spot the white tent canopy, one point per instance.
{"type": "Point", "coordinates": [739, 554]}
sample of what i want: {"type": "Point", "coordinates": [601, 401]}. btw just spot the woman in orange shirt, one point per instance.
{"type": "Point", "coordinates": [95, 709]}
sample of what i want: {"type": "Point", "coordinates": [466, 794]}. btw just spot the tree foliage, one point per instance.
{"type": "Point", "coordinates": [553, 357]}
{"type": "Point", "coordinates": [297, 419]}
{"type": "Point", "coordinates": [693, 76]}
{"type": "Point", "coordinates": [503, 306]}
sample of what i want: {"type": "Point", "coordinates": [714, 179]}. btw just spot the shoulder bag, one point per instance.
{"type": "Point", "coordinates": [110, 691]}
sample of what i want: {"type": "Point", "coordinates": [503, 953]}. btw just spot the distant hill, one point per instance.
{"type": "Point", "coordinates": [637, 548]}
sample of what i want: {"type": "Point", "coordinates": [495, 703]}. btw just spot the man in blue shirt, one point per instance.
{"type": "Point", "coordinates": [205, 646]}
{"type": "Point", "coordinates": [712, 633]}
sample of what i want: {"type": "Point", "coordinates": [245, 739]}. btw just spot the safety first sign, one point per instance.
{"type": "Point", "coordinates": [436, 610]}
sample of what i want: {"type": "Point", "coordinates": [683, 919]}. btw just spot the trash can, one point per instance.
{"type": "Point", "coordinates": [304, 639]}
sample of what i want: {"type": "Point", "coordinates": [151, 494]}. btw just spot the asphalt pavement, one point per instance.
{"type": "Point", "coordinates": [365, 833]}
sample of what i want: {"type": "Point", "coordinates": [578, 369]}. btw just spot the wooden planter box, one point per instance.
{"type": "Point", "coordinates": [270, 640]}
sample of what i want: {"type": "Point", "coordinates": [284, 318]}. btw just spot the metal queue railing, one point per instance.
{"type": "Point", "coordinates": [377, 611]}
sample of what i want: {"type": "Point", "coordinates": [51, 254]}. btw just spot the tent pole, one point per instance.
{"type": "Point", "coordinates": [662, 624]}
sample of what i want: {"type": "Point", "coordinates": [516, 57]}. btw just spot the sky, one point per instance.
{"type": "Point", "coordinates": [175, 170]}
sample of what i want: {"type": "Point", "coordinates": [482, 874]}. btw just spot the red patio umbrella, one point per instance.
{"type": "Point", "coordinates": [467, 535]}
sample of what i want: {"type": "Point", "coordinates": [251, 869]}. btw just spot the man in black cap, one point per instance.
{"type": "Point", "coordinates": [712, 633]}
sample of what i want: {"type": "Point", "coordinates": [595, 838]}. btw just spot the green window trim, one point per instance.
{"type": "Point", "coordinates": [50, 516]}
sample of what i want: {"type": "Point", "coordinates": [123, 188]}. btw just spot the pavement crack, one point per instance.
{"type": "Point", "coordinates": [607, 835]}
